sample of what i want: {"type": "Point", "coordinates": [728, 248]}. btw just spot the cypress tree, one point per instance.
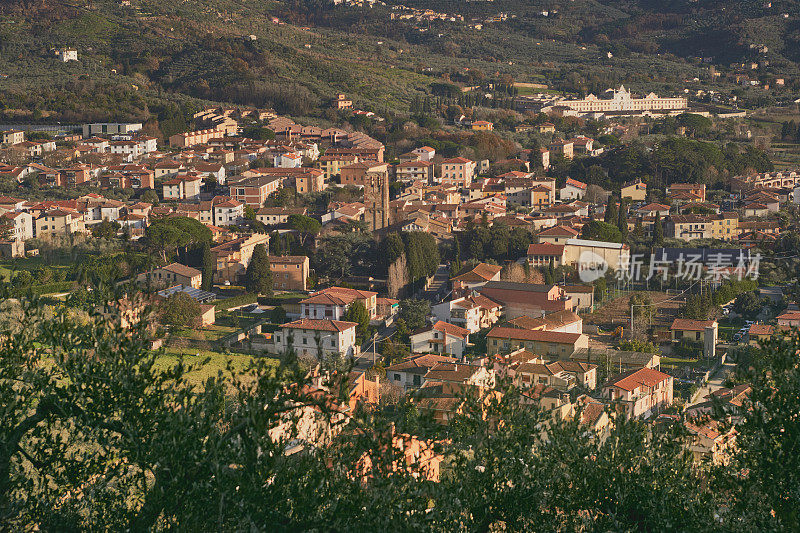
{"type": "Point", "coordinates": [456, 255]}
{"type": "Point", "coordinates": [658, 231]}
{"type": "Point", "coordinates": [258, 278]}
{"type": "Point", "coordinates": [786, 130]}
{"type": "Point", "coordinates": [208, 267]}
{"type": "Point", "coordinates": [611, 211]}
{"type": "Point", "coordinates": [622, 220]}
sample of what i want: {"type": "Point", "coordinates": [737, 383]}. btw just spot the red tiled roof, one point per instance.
{"type": "Point", "coordinates": [482, 271]}
{"type": "Point", "coordinates": [420, 364]}
{"type": "Point", "coordinates": [760, 329]}
{"type": "Point", "coordinates": [654, 207]}
{"type": "Point", "coordinates": [547, 322]}
{"type": "Point", "coordinates": [576, 183]}
{"type": "Point", "coordinates": [484, 302]}
{"type": "Point", "coordinates": [644, 376]}
{"type": "Point", "coordinates": [546, 248]}
{"type": "Point", "coordinates": [337, 296]}
{"type": "Point", "coordinates": [558, 231]}
{"type": "Point", "coordinates": [451, 329]}
{"type": "Point", "coordinates": [182, 270]}
{"type": "Point", "coordinates": [537, 335]}
{"type": "Point", "coordinates": [320, 325]}
{"type": "Point", "coordinates": [685, 324]}
{"type": "Point", "coordinates": [452, 372]}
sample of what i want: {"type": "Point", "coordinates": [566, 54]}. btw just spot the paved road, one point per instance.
{"type": "Point", "coordinates": [716, 381]}
{"type": "Point", "coordinates": [437, 287]}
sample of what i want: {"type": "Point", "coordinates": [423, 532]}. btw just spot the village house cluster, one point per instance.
{"type": "Point", "coordinates": [534, 332]}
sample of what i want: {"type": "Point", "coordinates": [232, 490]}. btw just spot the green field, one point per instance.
{"type": "Point", "coordinates": [209, 333]}
{"type": "Point", "coordinates": [217, 362]}
{"type": "Point", "coordinates": [679, 361]}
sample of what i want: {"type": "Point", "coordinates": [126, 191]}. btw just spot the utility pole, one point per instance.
{"type": "Point", "coordinates": [374, 338]}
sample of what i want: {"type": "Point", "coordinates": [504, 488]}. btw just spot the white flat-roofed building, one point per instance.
{"type": "Point", "coordinates": [110, 128]}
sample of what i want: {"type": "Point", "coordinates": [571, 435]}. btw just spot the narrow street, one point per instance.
{"type": "Point", "coordinates": [716, 381]}
{"type": "Point", "coordinates": [436, 289]}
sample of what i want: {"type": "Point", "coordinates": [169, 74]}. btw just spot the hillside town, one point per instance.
{"type": "Point", "coordinates": [355, 265]}
{"type": "Point", "coordinates": [462, 322]}
{"type": "Point", "coordinates": [434, 278]}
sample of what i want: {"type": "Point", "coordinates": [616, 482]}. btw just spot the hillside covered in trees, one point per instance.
{"type": "Point", "coordinates": [160, 59]}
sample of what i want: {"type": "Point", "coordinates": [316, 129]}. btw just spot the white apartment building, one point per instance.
{"type": "Point", "coordinates": [317, 338]}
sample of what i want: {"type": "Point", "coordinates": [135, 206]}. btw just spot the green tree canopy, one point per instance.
{"type": "Point", "coordinates": [150, 196]}
{"type": "Point", "coordinates": [598, 230]}
{"type": "Point", "coordinates": [258, 133]}
{"type": "Point", "coordinates": [258, 277]}
{"type": "Point", "coordinates": [422, 255]}
{"type": "Point", "coordinates": [98, 434]}
{"type": "Point", "coordinates": [179, 310]}
{"type": "Point", "coordinates": [304, 226]}
{"type": "Point", "coordinates": [105, 230]}
{"type": "Point", "coordinates": [694, 123]}
{"type": "Point", "coordinates": [171, 233]}
{"type": "Point", "coordinates": [357, 312]}
{"type": "Point", "coordinates": [414, 312]}
{"type": "Point", "coordinates": [658, 231]}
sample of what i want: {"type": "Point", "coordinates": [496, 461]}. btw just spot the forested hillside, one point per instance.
{"type": "Point", "coordinates": [159, 58]}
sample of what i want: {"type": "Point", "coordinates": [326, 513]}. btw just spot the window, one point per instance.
{"type": "Point", "coordinates": [417, 380]}
{"type": "Point", "coordinates": [397, 377]}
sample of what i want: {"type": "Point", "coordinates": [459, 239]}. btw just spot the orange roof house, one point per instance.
{"type": "Point", "coordinates": [477, 276]}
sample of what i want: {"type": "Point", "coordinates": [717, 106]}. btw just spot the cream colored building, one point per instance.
{"type": "Point", "coordinates": [591, 254]}
{"type": "Point", "coordinates": [317, 337]}
{"type": "Point", "coordinates": [232, 257]}
{"type": "Point", "coordinates": [13, 137]}
{"type": "Point", "coordinates": [59, 222]}
{"type": "Point", "coordinates": [724, 227]}
{"type": "Point", "coordinates": [621, 100]}
{"type": "Point", "coordinates": [635, 190]}
{"type": "Point", "coordinates": [458, 170]}
{"type": "Point", "coordinates": [641, 393]}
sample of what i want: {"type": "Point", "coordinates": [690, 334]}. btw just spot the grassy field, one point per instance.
{"type": "Point", "coordinates": [679, 361]}
{"type": "Point", "coordinates": [26, 263]}
{"type": "Point", "coordinates": [289, 295]}
{"type": "Point", "coordinates": [209, 333]}
{"type": "Point", "coordinates": [217, 362]}
{"type": "Point", "coordinates": [523, 91]}
{"type": "Point", "coordinates": [235, 301]}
